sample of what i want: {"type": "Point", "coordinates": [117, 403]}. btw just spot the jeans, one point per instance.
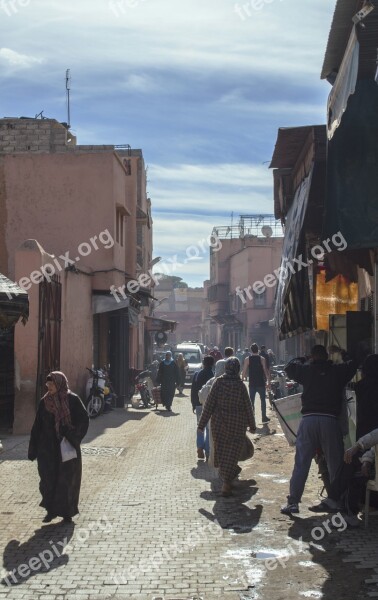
{"type": "Point", "coordinates": [202, 438]}
{"type": "Point", "coordinates": [316, 432]}
{"type": "Point", "coordinates": [262, 393]}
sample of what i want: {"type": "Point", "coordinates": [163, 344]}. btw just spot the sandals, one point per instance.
{"type": "Point", "coordinates": [323, 507]}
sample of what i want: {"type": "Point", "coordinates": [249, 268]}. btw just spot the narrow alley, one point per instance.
{"type": "Point", "coordinates": [153, 525]}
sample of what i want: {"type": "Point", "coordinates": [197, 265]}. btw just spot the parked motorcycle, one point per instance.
{"type": "Point", "coordinates": [95, 393]}
{"type": "Point", "coordinates": [281, 386]}
{"type": "Point", "coordinates": [144, 385]}
{"type": "Point", "coordinates": [110, 397]}
{"type": "Point", "coordinates": [133, 374]}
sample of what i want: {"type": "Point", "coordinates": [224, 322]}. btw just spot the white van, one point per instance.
{"type": "Point", "coordinates": [193, 356]}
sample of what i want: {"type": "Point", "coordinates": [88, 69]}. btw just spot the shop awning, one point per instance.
{"type": "Point", "coordinates": [103, 303]}
{"type": "Point", "coordinates": [14, 303]}
{"type": "Point", "coordinates": [229, 320]}
{"type": "Point", "coordinates": [344, 86]}
{"type": "Point", "coordinates": [352, 172]}
{"type": "Point", "coordinates": [293, 312]}
{"type": "Point", "coordinates": [153, 324]}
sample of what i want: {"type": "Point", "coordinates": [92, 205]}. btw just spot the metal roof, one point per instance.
{"type": "Point", "coordinates": [339, 34]}
{"type": "Point", "coordinates": [290, 141]}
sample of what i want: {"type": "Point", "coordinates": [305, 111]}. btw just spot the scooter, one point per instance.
{"type": "Point", "coordinates": [95, 393]}
{"type": "Point", "coordinates": [144, 385]}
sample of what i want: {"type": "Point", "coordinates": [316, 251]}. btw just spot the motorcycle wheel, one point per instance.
{"type": "Point", "coordinates": [146, 398]}
{"type": "Point", "coordinates": [95, 406]}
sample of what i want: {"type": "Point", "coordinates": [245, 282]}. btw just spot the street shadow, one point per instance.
{"type": "Point", "coordinates": [265, 430]}
{"type": "Point", "coordinates": [322, 532]}
{"type": "Point", "coordinates": [231, 512]}
{"type": "Point", "coordinates": [39, 554]}
{"type": "Point", "coordinates": [204, 471]}
{"type": "Point", "coordinates": [162, 412]}
{"type": "Point", "coordinates": [16, 447]}
{"type": "Point", "coordinates": [112, 420]}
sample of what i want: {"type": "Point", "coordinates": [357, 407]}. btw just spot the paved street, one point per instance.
{"type": "Point", "coordinates": [153, 525]}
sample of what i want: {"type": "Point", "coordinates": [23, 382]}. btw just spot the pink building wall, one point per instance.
{"type": "Point", "coordinates": [77, 195]}
{"type": "Point", "coordinates": [64, 196]}
{"type": "Point", "coordinates": [76, 340]}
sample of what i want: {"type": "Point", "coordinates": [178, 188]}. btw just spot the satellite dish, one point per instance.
{"type": "Point", "coordinates": [267, 231]}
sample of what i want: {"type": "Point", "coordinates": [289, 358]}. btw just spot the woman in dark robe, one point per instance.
{"type": "Point", "coordinates": [61, 414]}
{"type": "Point", "coordinates": [230, 409]}
{"type": "Point", "coordinates": [168, 377]}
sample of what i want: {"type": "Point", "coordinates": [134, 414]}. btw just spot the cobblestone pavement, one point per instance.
{"type": "Point", "coordinates": [153, 525]}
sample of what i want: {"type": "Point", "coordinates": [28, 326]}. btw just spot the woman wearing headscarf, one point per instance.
{"type": "Point", "coordinates": [182, 367]}
{"type": "Point", "coordinates": [61, 414]}
{"type": "Point", "coordinates": [230, 409]}
{"type": "Point", "coordinates": [168, 377]}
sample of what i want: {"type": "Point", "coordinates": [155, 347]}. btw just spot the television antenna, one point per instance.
{"type": "Point", "coordinates": [68, 89]}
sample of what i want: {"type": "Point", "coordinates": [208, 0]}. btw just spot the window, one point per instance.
{"type": "Point", "coordinates": [120, 226]}
{"type": "Point", "coordinates": [259, 300]}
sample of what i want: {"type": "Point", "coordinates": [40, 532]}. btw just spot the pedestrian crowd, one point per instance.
{"type": "Point", "coordinates": [225, 411]}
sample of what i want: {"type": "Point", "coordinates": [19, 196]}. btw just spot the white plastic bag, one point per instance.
{"type": "Point", "coordinates": [68, 452]}
{"type": "Point", "coordinates": [205, 391]}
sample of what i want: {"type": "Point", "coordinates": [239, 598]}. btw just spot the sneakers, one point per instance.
{"type": "Point", "coordinates": [290, 508]}
{"type": "Point", "coordinates": [200, 453]}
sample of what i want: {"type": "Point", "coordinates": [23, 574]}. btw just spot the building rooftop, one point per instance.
{"type": "Point", "coordinates": [341, 28]}
{"type": "Point", "coordinates": [262, 226]}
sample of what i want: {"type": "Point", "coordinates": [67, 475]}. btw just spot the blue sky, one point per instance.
{"type": "Point", "coordinates": [201, 89]}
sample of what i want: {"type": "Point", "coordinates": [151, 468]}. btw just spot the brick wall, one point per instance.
{"type": "Point", "coordinates": [34, 135]}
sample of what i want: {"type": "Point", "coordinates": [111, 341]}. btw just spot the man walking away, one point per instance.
{"type": "Point", "coordinates": [322, 400]}
{"type": "Point", "coordinates": [220, 365]}
{"type": "Point", "coordinates": [199, 380]}
{"type": "Point", "coordinates": [259, 376]}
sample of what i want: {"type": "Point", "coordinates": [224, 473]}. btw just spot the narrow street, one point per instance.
{"type": "Point", "coordinates": [153, 525]}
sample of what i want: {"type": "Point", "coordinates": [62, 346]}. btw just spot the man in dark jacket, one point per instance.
{"type": "Point", "coordinates": [199, 380]}
{"type": "Point", "coordinates": [322, 400]}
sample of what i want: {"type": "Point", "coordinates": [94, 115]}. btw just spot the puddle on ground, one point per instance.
{"type": "Point", "coordinates": [317, 546]}
{"type": "Point", "coordinates": [265, 555]}
{"type": "Point", "coordinates": [307, 563]}
{"type": "Point", "coordinates": [311, 594]}
{"type": "Point", "coordinates": [267, 475]}
{"type": "Point", "coordinates": [282, 480]}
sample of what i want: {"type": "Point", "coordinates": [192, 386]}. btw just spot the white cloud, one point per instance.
{"type": "Point", "coordinates": [230, 174]}
{"type": "Point", "coordinates": [200, 90]}
{"type": "Point", "coordinates": [14, 59]}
